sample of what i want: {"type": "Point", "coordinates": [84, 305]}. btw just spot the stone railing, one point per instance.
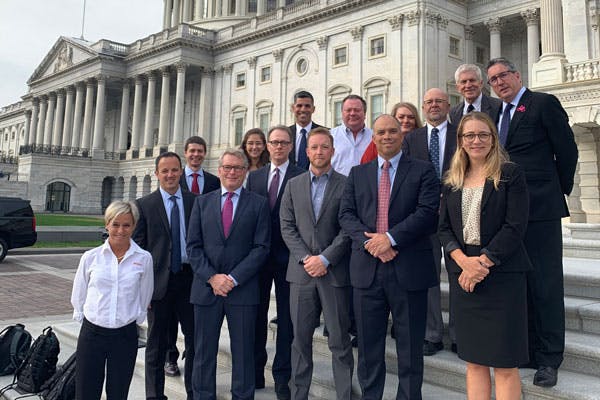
{"type": "Point", "coordinates": [56, 151]}
{"type": "Point", "coordinates": [582, 71]}
{"type": "Point", "coordinates": [12, 107]}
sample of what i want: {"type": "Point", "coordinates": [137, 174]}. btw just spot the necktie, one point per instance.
{"type": "Point", "coordinates": [227, 214]}
{"type": "Point", "coordinates": [505, 124]}
{"type": "Point", "coordinates": [302, 161]}
{"type": "Point", "coordinates": [195, 187]}
{"type": "Point", "coordinates": [273, 189]}
{"type": "Point", "coordinates": [434, 150]}
{"type": "Point", "coordinates": [175, 237]}
{"type": "Point", "coordinates": [383, 198]}
{"type": "Point", "coordinates": [470, 108]}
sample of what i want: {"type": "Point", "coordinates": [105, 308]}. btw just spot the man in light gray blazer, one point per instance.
{"type": "Point", "coordinates": [318, 266]}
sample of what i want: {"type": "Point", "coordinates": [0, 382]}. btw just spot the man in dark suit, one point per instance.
{"type": "Point", "coordinates": [161, 230]}
{"type": "Point", "coordinates": [469, 82]}
{"type": "Point", "coordinates": [389, 208]}
{"type": "Point", "coordinates": [197, 181]}
{"type": "Point", "coordinates": [318, 266]}
{"type": "Point", "coordinates": [535, 131]}
{"type": "Point", "coordinates": [435, 142]}
{"type": "Point", "coordinates": [269, 181]}
{"type": "Point", "coordinates": [303, 109]}
{"type": "Point", "coordinates": [227, 245]}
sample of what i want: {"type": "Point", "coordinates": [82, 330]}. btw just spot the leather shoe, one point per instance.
{"type": "Point", "coordinates": [430, 348]}
{"type": "Point", "coordinates": [545, 377]}
{"type": "Point", "coordinates": [282, 390]}
{"type": "Point", "coordinates": [453, 348]}
{"type": "Point", "coordinates": [171, 369]}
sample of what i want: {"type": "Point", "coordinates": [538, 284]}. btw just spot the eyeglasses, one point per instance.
{"type": "Point", "coordinates": [502, 75]}
{"type": "Point", "coordinates": [276, 143]}
{"type": "Point", "coordinates": [436, 101]}
{"type": "Point", "coordinates": [483, 137]}
{"type": "Point", "coordinates": [236, 168]}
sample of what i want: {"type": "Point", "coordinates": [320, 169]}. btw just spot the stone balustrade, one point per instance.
{"type": "Point", "coordinates": [18, 106]}
{"type": "Point", "coordinates": [582, 71]}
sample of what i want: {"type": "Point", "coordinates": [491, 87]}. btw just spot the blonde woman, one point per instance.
{"type": "Point", "coordinates": [483, 218]}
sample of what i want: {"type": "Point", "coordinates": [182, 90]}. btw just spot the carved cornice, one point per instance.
{"type": "Point", "coordinates": [494, 25]}
{"type": "Point", "coordinates": [531, 16]}
{"type": "Point", "coordinates": [322, 42]}
{"type": "Point", "coordinates": [395, 21]}
{"type": "Point", "coordinates": [357, 32]}
{"type": "Point", "coordinates": [578, 96]}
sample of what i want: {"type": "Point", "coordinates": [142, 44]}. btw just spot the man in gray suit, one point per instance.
{"type": "Point", "coordinates": [469, 82]}
{"type": "Point", "coordinates": [318, 266]}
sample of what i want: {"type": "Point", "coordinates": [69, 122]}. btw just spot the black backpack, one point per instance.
{"type": "Point", "coordinates": [61, 386]}
{"type": "Point", "coordinates": [14, 343]}
{"type": "Point", "coordinates": [39, 364]}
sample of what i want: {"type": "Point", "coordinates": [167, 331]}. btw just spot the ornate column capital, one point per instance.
{"type": "Point", "coordinates": [469, 32]}
{"type": "Point", "coordinates": [165, 70]}
{"type": "Point", "coordinates": [251, 62]}
{"type": "Point", "coordinates": [322, 42]}
{"type": "Point", "coordinates": [494, 25]}
{"type": "Point", "coordinates": [35, 102]}
{"type": "Point", "coordinates": [209, 71]}
{"type": "Point", "coordinates": [413, 17]}
{"type": "Point", "coordinates": [442, 22]}
{"type": "Point", "coordinates": [70, 89]}
{"type": "Point", "coordinates": [357, 32]}
{"type": "Point", "coordinates": [60, 93]}
{"type": "Point", "coordinates": [27, 114]}
{"type": "Point", "coordinates": [139, 79]}
{"type": "Point", "coordinates": [151, 76]}
{"type": "Point", "coordinates": [531, 16]}
{"type": "Point", "coordinates": [227, 68]}
{"type": "Point", "coordinates": [52, 96]}
{"type": "Point", "coordinates": [181, 67]}
{"type": "Point", "coordinates": [395, 21]}
{"type": "Point", "coordinates": [430, 17]}
{"type": "Point", "coordinates": [277, 54]}
{"type": "Point", "coordinates": [102, 78]}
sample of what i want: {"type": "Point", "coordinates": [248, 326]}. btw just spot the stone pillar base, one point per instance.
{"type": "Point", "coordinates": [548, 71]}
{"type": "Point", "coordinates": [176, 148]}
{"type": "Point", "coordinates": [158, 150]}
{"type": "Point", "coordinates": [98, 154]}
{"type": "Point", "coordinates": [131, 154]}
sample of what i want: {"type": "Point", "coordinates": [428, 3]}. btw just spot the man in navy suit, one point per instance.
{"type": "Point", "coordinates": [156, 231]}
{"type": "Point", "coordinates": [389, 209]}
{"type": "Point", "coordinates": [303, 109]}
{"type": "Point", "coordinates": [269, 181]}
{"type": "Point", "coordinates": [469, 82]}
{"type": "Point", "coordinates": [435, 142]}
{"type": "Point", "coordinates": [535, 131]}
{"type": "Point", "coordinates": [228, 242]}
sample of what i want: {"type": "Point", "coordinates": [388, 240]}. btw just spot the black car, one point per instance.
{"type": "Point", "coordinates": [17, 224]}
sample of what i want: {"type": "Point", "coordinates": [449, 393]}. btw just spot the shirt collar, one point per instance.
{"type": "Point", "coordinates": [394, 160]}
{"type": "Point", "coordinates": [133, 248]}
{"type": "Point", "coordinates": [282, 168]}
{"type": "Point", "coordinates": [515, 101]}
{"type": "Point", "coordinates": [328, 173]}
{"type": "Point", "coordinates": [166, 196]}
{"type": "Point", "coordinates": [476, 103]}
{"type": "Point", "coordinates": [189, 171]}
{"type": "Point", "coordinates": [349, 131]}
{"type": "Point", "coordinates": [441, 127]}
{"type": "Point", "coordinates": [307, 127]}
{"type": "Point", "coordinates": [237, 191]}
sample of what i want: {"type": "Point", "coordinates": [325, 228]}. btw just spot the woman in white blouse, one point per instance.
{"type": "Point", "coordinates": [111, 293]}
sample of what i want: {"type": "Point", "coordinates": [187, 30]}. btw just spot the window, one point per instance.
{"type": "Point", "coordinates": [238, 126]}
{"type": "Point", "coordinates": [265, 74]}
{"type": "Point", "coordinates": [337, 113]}
{"type": "Point", "coordinates": [240, 80]}
{"type": "Point", "coordinates": [480, 55]}
{"type": "Point", "coordinates": [252, 6]}
{"type": "Point", "coordinates": [271, 5]}
{"type": "Point", "coordinates": [301, 66]}
{"type": "Point", "coordinates": [454, 48]}
{"type": "Point", "coordinates": [232, 7]}
{"type": "Point", "coordinates": [377, 47]}
{"type": "Point", "coordinates": [340, 56]}
{"type": "Point", "coordinates": [264, 120]}
{"type": "Point", "coordinates": [376, 106]}
{"type": "Point", "coordinates": [376, 92]}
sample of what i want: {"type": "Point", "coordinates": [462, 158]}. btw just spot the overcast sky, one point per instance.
{"type": "Point", "coordinates": [29, 29]}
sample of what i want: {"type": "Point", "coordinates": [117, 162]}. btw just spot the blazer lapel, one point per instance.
{"type": "Point", "coordinates": [332, 187]}
{"type": "Point", "coordinates": [306, 187]}
{"type": "Point", "coordinates": [523, 105]}
{"type": "Point", "coordinates": [455, 207]}
{"type": "Point", "coordinates": [217, 205]}
{"type": "Point", "coordinates": [488, 188]}
{"type": "Point", "coordinates": [401, 172]}
{"type": "Point", "coordinates": [239, 211]}
{"type": "Point", "coordinates": [162, 212]}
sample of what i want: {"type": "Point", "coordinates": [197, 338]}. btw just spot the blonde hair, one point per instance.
{"type": "Point", "coordinates": [455, 176]}
{"type": "Point", "coordinates": [117, 208]}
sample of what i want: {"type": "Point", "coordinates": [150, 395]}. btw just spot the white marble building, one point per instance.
{"type": "Point", "coordinates": [96, 114]}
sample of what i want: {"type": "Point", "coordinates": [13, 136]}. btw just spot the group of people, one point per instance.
{"type": "Point", "coordinates": [351, 223]}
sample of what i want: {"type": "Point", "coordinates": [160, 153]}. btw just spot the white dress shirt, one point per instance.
{"type": "Point", "coordinates": [299, 136]}
{"type": "Point", "coordinates": [189, 179]}
{"type": "Point", "coordinates": [348, 149]}
{"type": "Point", "coordinates": [476, 105]}
{"type": "Point", "coordinates": [112, 294]}
{"type": "Point", "coordinates": [166, 197]}
{"type": "Point", "coordinates": [282, 170]}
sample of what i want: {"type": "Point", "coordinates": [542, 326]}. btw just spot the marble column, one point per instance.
{"type": "Point", "coordinates": [218, 8]}
{"type": "Point", "coordinates": [176, 14]}
{"type": "Point", "coordinates": [494, 25]}
{"type": "Point", "coordinates": [238, 8]}
{"type": "Point", "coordinates": [58, 119]}
{"type": "Point", "coordinates": [205, 113]}
{"type": "Point", "coordinates": [186, 10]}
{"type": "Point", "coordinates": [68, 121]}
{"type": "Point", "coordinates": [149, 126]}
{"type": "Point", "coordinates": [98, 143]}
{"type": "Point", "coordinates": [198, 10]}
{"type": "Point", "coordinates": [469, 47]}
{"type": "Point", "coordinates": [49, 120]}
{"type": "Point", "coordinates": [179, 106]}
{"type": "Point", "coordinates": [532, 19]}
{"type": "Point", "coordinates": [136, 128]}
{"type": "Point", "coordinates": [210, 8]}
{"type": "Point", "coordinates": [27, 129]}
{"type": "Point", "coordinates": [552, 29]}
{"type": "Point", "coordinates": [124, 123]}
{"type": "Point", "coordinates": [168, 5]}
{"type": "Point", "coordinates": [261, 7]}
{"type": "Point", "coordinates": [39, 132]}
{"type": "Point", "coordinates": [77, 117]}
{"type": "Point", "coordinates": [87, 115]}
{"type": "Point", "coordinates": [280, 3]}
{"type": "Point", "coordinates": [35, 112]}
{"type": "Point", "coordinates": [164, 118]}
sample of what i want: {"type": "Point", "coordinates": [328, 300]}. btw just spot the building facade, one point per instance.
{"type": "Point", "coordinates": [96, 114]}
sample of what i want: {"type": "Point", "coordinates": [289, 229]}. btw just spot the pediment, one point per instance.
{"type": "Point", "coordinates": [65, 53]}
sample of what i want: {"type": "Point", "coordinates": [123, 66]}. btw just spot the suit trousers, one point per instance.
{"type": "Point", "coordinates": [372, 307]}
{"type": "Point", "coordinates": [101, 348]}
{"type": "Point", "coordinates": [306, 302]}
{"type": "Point", "coordinates": [282, 367]}
{"type": "Point", "coordinates": [240, 322]}
{"type": "Point", "coordinates": [172, 333]}
{"type": "Point", "coordinates": [545, 293]}
{"type": "Point", "coordinates": [176, 301]}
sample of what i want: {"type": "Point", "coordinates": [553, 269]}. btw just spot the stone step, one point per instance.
{"type": "Point", "coordinates": [581, 231]}
{"type": "Point", "coordinates": [581, 240]}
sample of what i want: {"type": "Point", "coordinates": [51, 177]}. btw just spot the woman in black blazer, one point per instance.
{"type": "Point", "coordinates": [483, 218]}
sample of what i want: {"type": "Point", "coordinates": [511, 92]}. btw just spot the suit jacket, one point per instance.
{"type": "Point", "coordinates": [503, 222]}
{"type": "Point", "coordinates": [241, 254]}
{"type": "Point", "coordinates": [412, 217]}
{"type": "Point", "coordinates": [416, 146]}
{"type": "Point", "coordinates": [257, 182]}
{"type": "Point", "coordinates": [153, 233]}
{"type": "Point", "coordinates": [211, 182]}
{"type": "Point", "coordinates": [489, 105]}
{"type": "Point", "coordinates": [307, 234]}
{"type": "Point", "coordinates": [541, 141]}
{"type": "Point", "coordinates": [293, 152]}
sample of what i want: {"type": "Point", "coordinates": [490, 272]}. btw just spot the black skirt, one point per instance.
{"type": "Point", "coordinates": [491, 321]}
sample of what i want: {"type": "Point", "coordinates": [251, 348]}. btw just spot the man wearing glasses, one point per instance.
{"type": "Point", "coordinates": [535, 131]}
{"type": "Point", "coordinates": [228, 242]}
{"type": "Point", "coordinates": [269, 181]}
{"type": "Point", "coordinates": [435, 142]}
